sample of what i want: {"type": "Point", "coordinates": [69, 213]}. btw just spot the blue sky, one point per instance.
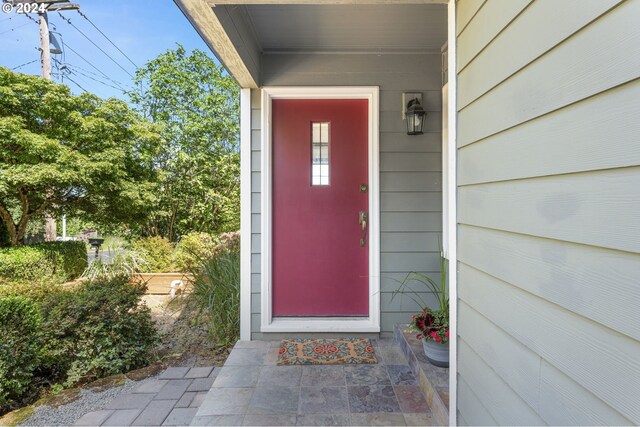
{"type": "Point", "coordinates": [140, 28]}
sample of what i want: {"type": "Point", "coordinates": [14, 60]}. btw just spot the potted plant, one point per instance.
{"type": "Point", "coordinates": [433, 328]}
{"type": "Point", "coordinates": [432, 325]}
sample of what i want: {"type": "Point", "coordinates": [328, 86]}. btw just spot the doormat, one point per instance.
{"type": "Point", "coordinates": [322, 351]}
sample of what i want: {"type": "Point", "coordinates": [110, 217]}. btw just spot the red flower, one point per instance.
{"type": "Point", "coordinates": [447, 334]}
{"type": "Point", "coordinates": [438, 338]}
{"type": "Point", "coordinates": [433, 334]}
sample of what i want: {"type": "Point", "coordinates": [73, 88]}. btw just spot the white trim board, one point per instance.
{"type": "Point", "coordinates": [314, 324]}
{"type": "Point", "coordinates": [452, 204]}
{"type": "Point", "coordinates": [245, 214]}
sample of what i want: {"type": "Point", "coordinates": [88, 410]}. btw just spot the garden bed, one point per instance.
{"type": "Point", "coordinates": [160, 283]}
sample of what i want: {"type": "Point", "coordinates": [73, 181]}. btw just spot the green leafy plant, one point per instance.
{"type": "Point", "coordinates": [113, 243]}
{"type": "Point", "coordinates": [55, 262]}
{"type": "Point", "coordinates": [126, 262]}
{"type": "Point", "coordinates": [197, 103]}
{"type": "Point", "coordinates": [430, 323]}
{"type": "Point", "coordinates": [100, 328]}
{"type": "Point", "coordinates": [94, 158]}
{"type": "Point", "coordinates": [157, 253]}
{"type": "Point", "coordinates": [216, 296]}
{"type": "Point", "coordinates": [19, 327]}
{"type": "Point", "coordinates": [193, 249]}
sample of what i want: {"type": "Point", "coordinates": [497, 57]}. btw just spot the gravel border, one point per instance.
{"type": "Point", "coordinates": [87, 401]}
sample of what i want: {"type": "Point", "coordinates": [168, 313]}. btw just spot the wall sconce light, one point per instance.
{"type": "Point", "coordinates": [413, 113]}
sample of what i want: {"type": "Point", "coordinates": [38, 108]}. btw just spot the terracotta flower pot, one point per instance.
{"type": "Point", "coordinates": [437, 353]}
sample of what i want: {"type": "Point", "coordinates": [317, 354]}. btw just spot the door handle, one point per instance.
{"type": "Point", "coordinates": [362, 218]}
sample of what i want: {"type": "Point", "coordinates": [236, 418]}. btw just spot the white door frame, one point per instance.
{"type": "Point", "coordinates": [320, 324]}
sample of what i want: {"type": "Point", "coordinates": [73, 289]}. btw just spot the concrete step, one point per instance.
{"type": "Point", "coordinates": [434, 381]}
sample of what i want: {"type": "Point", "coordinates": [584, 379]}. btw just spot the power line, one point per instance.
{"type": "Point", "coordinates": [75, 83]}
{"type": "Point", "coordinates": [26, 63]}
{"type": "Point", "coordinates": [26, 15]}
{"type": "Point", "coordinates": [77, 67]}
{"type": "Point", "coordinates": [105, 36]}
{"type": "Point", "coordinates": [15, 28]}
{"type": "Point", "coordinates": [78, 72]}
{"type": "Point", "coordinates": [92, 42]}
{"type": "Point", "coordinates": [93, 66]}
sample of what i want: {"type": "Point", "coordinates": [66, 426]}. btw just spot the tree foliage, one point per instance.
{"type": "Point", "coordinates": [80, 155]}
{"type": "Point", "coordinates": [198, 106]}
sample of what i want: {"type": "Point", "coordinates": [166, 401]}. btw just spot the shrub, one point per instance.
{"type": "Point", "coordinates": [229, 242]}
{"type": "Point", "coordinates": [157, 253]}
{"type": "Point", "coordinates": [123, 263]}
{"type": "Point", "coordinates": [193, 249]}
{"type": "Point", "coordinates": [56, 262]}
{"type": "Point", "coordinates": [19, 326]}
{"type": "Point", "coordinates": [95, 330]}
{"type": "Point", "coordinates": [216, 295]}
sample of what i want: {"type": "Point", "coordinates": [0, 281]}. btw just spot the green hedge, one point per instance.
{"type": "Point", "coordinates": [97, 329]}
{"type": "Point", "coordinates": [56, 262]}
{"type": "Point", "coordinates": [19, 327]}
{"type": "Point", "coordinates": [157, 253]}
{"type": "Point", "coordinates": [193, 249]}
{"type": "Point", "coordinates": [70, 335]}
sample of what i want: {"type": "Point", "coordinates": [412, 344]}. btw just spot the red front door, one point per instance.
{"type": "Point", "coordinates": [320, 187]}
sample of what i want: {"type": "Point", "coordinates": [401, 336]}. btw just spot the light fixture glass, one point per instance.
{"type": "Point", "coordinates": [415, 115]}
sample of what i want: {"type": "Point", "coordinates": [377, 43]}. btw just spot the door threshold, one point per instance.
{"type": "Point", "coordinates": [321, 324]}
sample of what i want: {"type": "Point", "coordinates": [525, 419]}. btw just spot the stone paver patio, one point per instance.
{"type": "Point", "coordinates": [250, 389]}
{"type": "Point", "coordinates": [172, 399]}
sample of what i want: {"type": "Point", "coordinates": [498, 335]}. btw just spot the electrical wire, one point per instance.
{"type": "Point", "coordinates": [94, 43]}
{"type": "Point", "coordinates": [15, 28]}
{"type": "Point", "coordinates": [26, 15]}
{"type": "Point", "coordinates": [74, 71]}
{"type": "Point", "coordinates": [75, 83]}
{"type": "Point", "coordinates": [105, 36]}
{"type": "Point", "coordinates": [77, 67]}
{"type": "Point", "coordinates": [25, 64]}
{"type": "Point", "coordinates": [93, 66]}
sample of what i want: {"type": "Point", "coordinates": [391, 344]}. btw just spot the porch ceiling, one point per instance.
{"type": "Point", "coordinates": [241, 32]}
{"type": "Point", "coordinates": [370, 28]}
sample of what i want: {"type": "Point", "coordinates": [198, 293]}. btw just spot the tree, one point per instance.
{"type": "Point", "coordinates": [199, 107]}
{"type": "Point", "coordinates": [79, 155]}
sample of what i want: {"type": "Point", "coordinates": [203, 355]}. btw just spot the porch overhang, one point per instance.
{"type": "Point", "coordinates": [243, 32]}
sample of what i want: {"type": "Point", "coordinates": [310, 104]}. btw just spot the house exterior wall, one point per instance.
{"type": "Point", "coordinates": [410, 166]}
{"type": "Point", "coordinates": [548, 212]}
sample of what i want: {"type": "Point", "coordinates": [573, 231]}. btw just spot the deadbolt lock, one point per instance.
{"type": "Point", "coordinates": [363, 188]}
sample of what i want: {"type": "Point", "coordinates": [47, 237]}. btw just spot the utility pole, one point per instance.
{"type": "Point", "coordinates": [45, 59]}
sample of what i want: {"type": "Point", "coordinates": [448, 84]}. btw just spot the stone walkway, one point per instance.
{"type": "Point", "coordinates": [171, 399]}
{"type": "Point", "coordinates": [252, 390]}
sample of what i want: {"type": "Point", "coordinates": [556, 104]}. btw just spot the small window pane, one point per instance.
{"type": "Point", "coordinates": [324, 132]}
{"type": "Point", "coordinates": [320, 153]}
{"type": "Point", "coordinates": [316, 132]}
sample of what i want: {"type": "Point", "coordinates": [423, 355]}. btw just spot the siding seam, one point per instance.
{"type": "Point", "coordinates": [540, 357]}
{"type": "Point", "coordinates": [460, 377]}
{"type": "Point", "coordinates": [468, 224]}
{"type": "Point", "coordinates": [548, 176]}
{"type": "Point", "coordinates": [546, 301]}
{"type": "Point", "coordinates": [546, 113]}
{"type": "Point", "coordinates": [471, 19]}
{"type": "Point", "coordinates": [500, 376]}
{"type": "Point", "coordinates": [494, 37]}
{"type": "Point", "coordinates": [588, 24]}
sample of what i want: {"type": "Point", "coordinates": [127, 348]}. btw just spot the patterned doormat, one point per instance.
{"type": "Point", "coordinates": [322, 351]}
